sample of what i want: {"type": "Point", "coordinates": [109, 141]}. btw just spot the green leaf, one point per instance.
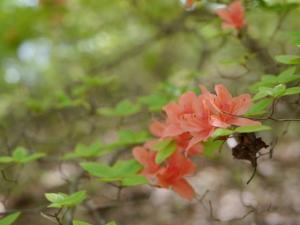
{"type": "Point", "coordinates": [288, 59]}
{"type": "Point", "coordinates": [259, 107]}
{"type": "Point", "coordinates": [287, 76]}
{"type": "Point", "coordinates": [278, 90]}
{"type": "Point", "coordinates": [120, 170]}
{"type": "Point", "coordinates": [134, 180]}
{"type": "Point", "coordinates": [292, 91]}
{"type": "Point", "coordinates": [124, 168]}
{"type": "Point", "coordinates": [6, 159]}
{"type": "Point", "coordinates": [155, 102]}
{"type": "Point", "coordinates": [130, 137]}
{"type": "Point", "coordinates": [111, 223]}
{"type": "Point", "coordinates": [86, 151]}
{"type": "Point", "coordinates": [211, 146]}
{"type": "Point", "coordinates": [77, 222]}
{"type": "Point", "coordinates": [55, 197]}
{"type": "Point", "coordinates": [250, 129]}
{"type": "Point", "coordinates": [165, 152]}
{"type": "Point", "coordinates": [221, 132]}
{"type": "Point", "coordinates": [161, 144]}
{"type": "Point", "coordinates": [123, 108]}
{"type": "Point", "coordinates": [10, 219]}
{"type": "Point", "coordinates": [97, 169]}
{"type": "Point", "coordinates": [60, 200]}
{"type": "Point", "coordinates": [33, 157]}
{"type": "Point", "coordinates": [275, 92]}
{"type": "Point", "coordinates": [19, 154]}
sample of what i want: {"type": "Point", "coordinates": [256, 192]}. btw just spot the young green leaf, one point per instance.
{"type": "Point", "coordinates": [6, 159]}
{"type": "Point", "coordinates": [33, 157]}
{"type": "Point", "coordinates": [19, 153]}
{"type": "Point", "coordinates": [288, 59]}
{"type": "Point", "coordinates": [55, 197]}
{"type": "Point", "coordinates": [250, 129]}
{"type": "Point", "coordinates": [86, 151]}
{"type": "Point", "coordinates": [123, 168]}
{"type": "Point", "coordinates": [165, 152]}
{"type": "Point", "coordinates": [221, 132]}
{"type": "Point", "coordinates": [120, 170]}
{"type": "Point", "coordinates": [60, 200]}
{"type": "Point", "coordinates": [10, 219]}
{"type": "Point", "coordinates": [155, 102]}
{"type": "Point", "coordinates": [134, 180]}
{"type": "Point", "coordinates": [98, 170]}
{"type": "Point", "coordinates": [77, 222]}
{"type": "Point", "coordinates": [292, 91]}
{"type": "Point", "coordinates": [123, 108]}
{"type": "Point", "coordinates": [259, 107]}
{"type": "Point", "coordinates": [287, 76]}
{"type": "Point", "coordinates": [161, 144]}
{"type": "Point", "coordinates": [211, 146]}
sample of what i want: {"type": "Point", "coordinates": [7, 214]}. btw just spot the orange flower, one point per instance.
{"type": "Point", "coordinates": [232, 15]}
{"type": "Point", "coordinates": [147, 159]}
{"type": "Point", "coordinates": [157, 129]}
{"type": "Point", "coordinates": [227, 109]}
{"type": "Point", "coordinates": [172, 175]}
{"type": "Point", "coordinates": [191, 115]}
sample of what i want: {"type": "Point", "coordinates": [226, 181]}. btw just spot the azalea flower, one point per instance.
{"type": "Point", "coordinates": [191, 115]}
{"type": "Point", "coordinates": [227, 110]}
{"type": "Point", "coordinates": [182, 141]}
{"type": "Point", "coordinates": [232, 15]}
{"type": "Point", "coordinates": [173, 175]}
{"type": "Point", "coordinates": [147, 159]}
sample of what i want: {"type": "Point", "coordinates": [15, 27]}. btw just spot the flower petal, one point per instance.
{"type": "Point", "coordinates": [186, 101]}
{"type": "Point", "coordinates": [241, 104]}
{"type": "Point", "coordinates": [244, 122]}
{"type": "Point", "coordinates": [184, 189]}
{"type": "Point", "coordinates": [157, 128]}
{"type": "Point", "coordinates": [222, 93]}
{"type": "Point", "coordinates": [218, 122]}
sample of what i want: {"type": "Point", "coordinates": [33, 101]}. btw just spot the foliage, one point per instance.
{"type": "Point", "coordinates": [80, 85]}
{"type": "Point", "coordinates": [60, 200]}
{"type": "Point", "coordinates": [10, 219]}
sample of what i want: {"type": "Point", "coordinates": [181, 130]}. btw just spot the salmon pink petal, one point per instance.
{"type": "Point", "coordinates": [196, 139]}
{"type": "Point", "coordinates": [172, 110]}
{"type": "Point", "coordinates": [233, 15]}
{"type": "Point", "coordinates": [149, 144]}
{"type": "Point", "coordinates": [218, 122]}
{"type": "Point", "coordinates": [195, 150]}
{"type": "Point", "coordinates": [204, 91]}
{"type": "Point", "coordinates": [224, 14]}
{"type": "Point", "coordinates": [172, 130]}
{"type": "Point", "coordinates": [184, 189]}
{"type": "Point", "coordinates": [241, 104]}
{"type": "Point", "coordinates": [141, 155]}
{"type": "Point", "coordinates": [188, 167]}
{"type": "Point", "coordinates": [157, 128]}
{"type": "Point", "coordinates": [244, 122]}
{"type": "Point", "coordinates": [147, 159]}
{"type": "Point", "coordinates": [186, 101]}
{"type": "Point", "coordinates": [222, 93]}
{"type": "Point", "coordinates": [237, 10]}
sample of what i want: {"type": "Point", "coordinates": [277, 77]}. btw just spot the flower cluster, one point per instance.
{"type": "Point", "coordinates": [188, 124]}
{"type": "Point", "coordinates": [233, 15]}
